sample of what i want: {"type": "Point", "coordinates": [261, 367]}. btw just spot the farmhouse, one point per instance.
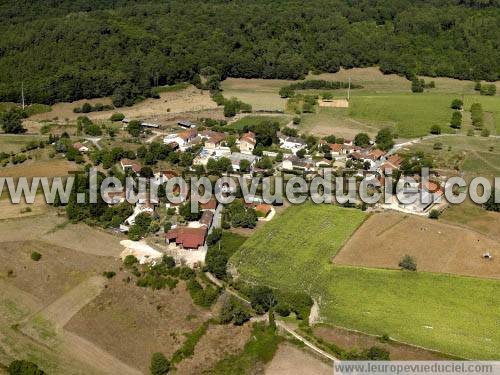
{"type": "Point", "coordinates": [212, 139]}
{"type": "Point", "coordinates": [291, 162]}
{"type": "Point", "coordinates": [293, 144]}
{"type": "Point", "coordinates": [80, 148]}
{"type": "Point", "coordinates": [130, 164]}
{"type": "Point", "coordinates": [187, 238]}
{"type": "Point", "coordinates": [182, 139]}
{"type": "Point", "coordinates": [421, 197]}
{"type": "Point", "coordinates": [247, 143]}
{"type": "Point", "coordinates": [237, 157]}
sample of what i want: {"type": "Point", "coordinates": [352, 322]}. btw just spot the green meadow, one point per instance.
{"type": "Point", "coordinates": [455, 315]}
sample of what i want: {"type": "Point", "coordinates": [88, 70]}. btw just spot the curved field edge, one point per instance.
{"type": "Point", "coordinates": [451, 314]}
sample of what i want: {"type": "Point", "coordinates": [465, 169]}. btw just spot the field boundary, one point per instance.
{"type": "Point", "coordinates": [394, 340]}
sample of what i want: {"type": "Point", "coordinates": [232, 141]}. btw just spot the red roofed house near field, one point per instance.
{"type": "Point", "coordinates": [187, 238]}
{"type": "Point", "coordinates": [80, 148]}
{"type": "Point", "coordinates": [130, 164]}
{"type": "Point", "coordinates": [247, 142]}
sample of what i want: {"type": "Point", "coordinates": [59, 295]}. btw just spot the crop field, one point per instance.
{"type": "Point", "coordinates": [310, 244]}
{"type": "Point", "coordinates": [385, 238]}
{"type": "Point", "coordinates": [459, 311]}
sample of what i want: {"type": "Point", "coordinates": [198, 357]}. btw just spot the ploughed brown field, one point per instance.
{"type": "Point", "coordinates": [385, 238]}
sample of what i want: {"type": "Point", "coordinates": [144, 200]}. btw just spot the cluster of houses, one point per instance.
{"type": "Point", "coordinates": [193, 235]}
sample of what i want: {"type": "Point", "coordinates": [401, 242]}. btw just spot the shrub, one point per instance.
{"type": "Point", "coordinates": [437, 146]}
{"type": "Point", "coordinates": [159, 364]}
{"type": "Point", "coordinates": [408, 263]}
{"type": "Point", "coordinates": [129, 261]}
{"type": "Point", "coordinates": [457, 104]}
{"type": "Point", "coordinates": [24, 368]}
{"type": "Point", "coordinates": [283, 309]}
{"type": "Point", "coordinates": [435, 129]}
{"type": "Point", "coordinates": [376, 353]}
{"type": "Point", "coordinates": [36, 256]}
{"type": "Point", "coordinates": [109, 274]}
{"type": "Point", "coordinates": [117, 117]}
{"type": "Point", "coordinates": [485, 133]}
{"type": "Point", "coordinates": [434, 214]}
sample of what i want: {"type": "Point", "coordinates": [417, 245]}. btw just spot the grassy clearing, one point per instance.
{"type": "Point", "coordinates": [171, 88]}
{"type": "Point", "coordinates": [238, 125]}
{"type": "Point", "coordinates": [15, 143]}
{"type": "Point", "coordinates": [447, 313]}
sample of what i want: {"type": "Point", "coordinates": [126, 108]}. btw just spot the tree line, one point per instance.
{"type": "Point", "coordinates": [66, 50]}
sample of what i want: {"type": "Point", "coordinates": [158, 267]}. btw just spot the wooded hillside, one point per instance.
{"type": "Point", "coordinates": [65, 50]}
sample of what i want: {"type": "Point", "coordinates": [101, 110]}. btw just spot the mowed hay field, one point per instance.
{"type": "Point", "coordinates": [456, 315]}
{"type": "Point", "coordinates": [437, 247]}
{"type": "Point", "coordinates": [409, 115]}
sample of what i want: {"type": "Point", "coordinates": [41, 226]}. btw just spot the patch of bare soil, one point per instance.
{"type": "Point", "coordinates": [348, 340]}
{"type": "Point", "coordinates": [85, 239]}
{"type": "Point", "coordinates": [58, 271]}
{"type": "Point", "coordinates": [290, 360]}
{"type": "Point", "coordinates": [437, 246]}
{"type": "Point", "coordinates": [219, 342]}
{"type": "Point", "coordinates": [132, 323]}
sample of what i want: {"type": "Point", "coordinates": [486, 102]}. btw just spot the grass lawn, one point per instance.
{"type": "Point", "coordinates": [452, 314]}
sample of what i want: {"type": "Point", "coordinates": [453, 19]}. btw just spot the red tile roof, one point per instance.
{"type": "Point", "coordinates": [248, 137]}
{"type": "Point", "coordinates": [263, 209]}
{"type": "Point", "coordinates": [188, 134]}
{"type": "Point", "coordinates": [206, 218]}
{"type": "Point", "coordinates": [376, 154]}
{"type": "Point", "coordinates": [127, 163]}
{"type": "Point", "coordinates": [210, 205]}
{"type": "Point", "coordinates": [336, 147]}
{"type": "Point", "coordinates": [395, 160]}
{"type": "Point", "coordinates": [189, 238]}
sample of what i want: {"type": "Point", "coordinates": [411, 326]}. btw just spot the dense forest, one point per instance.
{"type": "Point", "coordinates": [65, 50]}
